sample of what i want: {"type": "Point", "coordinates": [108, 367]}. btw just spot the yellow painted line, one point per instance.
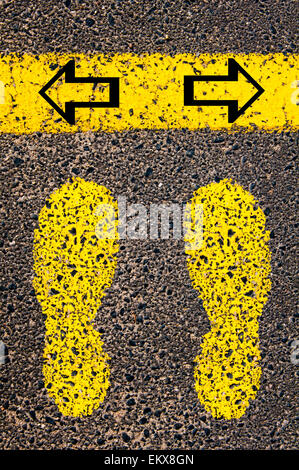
{"type": "Point", "coordinates": [2, 93]}
{"type": "Point", "coordinates": [151, 92]}
{"type": "Point", "coordinates": [73, 267]}
{"type": "Point", "coordinates": [231, 272]}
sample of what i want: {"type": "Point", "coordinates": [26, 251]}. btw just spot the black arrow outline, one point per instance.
{"type": "Point", "coordinates": [233, 69]}
{"type": "Point", "coordinates": [70, 106]}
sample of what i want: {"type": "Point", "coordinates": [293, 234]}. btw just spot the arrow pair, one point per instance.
{"type": "Point", "coordinates": [233, 105]}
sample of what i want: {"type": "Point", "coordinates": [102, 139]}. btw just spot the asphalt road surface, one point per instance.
{"type": "Point", "coordinates": [151, 319]}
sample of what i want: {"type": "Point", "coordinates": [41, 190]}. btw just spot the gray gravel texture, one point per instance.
{"type": "Point", "coordinates": [151, 319]}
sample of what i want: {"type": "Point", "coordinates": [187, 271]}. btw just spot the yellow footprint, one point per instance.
{"type": "Point", "coordinates": [230, 269]}
{"type": "Point", "coordinates": [73, 266]}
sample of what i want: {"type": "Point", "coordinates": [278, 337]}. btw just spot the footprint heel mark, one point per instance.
{"type": "Point", "coordinates": [73, 267]}
{"type": "Point", "coordinates": [230, 269]}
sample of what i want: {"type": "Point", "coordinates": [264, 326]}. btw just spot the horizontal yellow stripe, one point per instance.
{"type": "Point", "coordinates": [151, 92]}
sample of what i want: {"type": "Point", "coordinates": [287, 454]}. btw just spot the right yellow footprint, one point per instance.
{"type": "Point", "coordinates": [230, 268]}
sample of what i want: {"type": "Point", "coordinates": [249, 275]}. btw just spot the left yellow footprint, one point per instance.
{"type": "Point", "coordinates": [74, 262]}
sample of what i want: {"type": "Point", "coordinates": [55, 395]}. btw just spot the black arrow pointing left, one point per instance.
{"type": "Point", "coordinates": [70, 106]}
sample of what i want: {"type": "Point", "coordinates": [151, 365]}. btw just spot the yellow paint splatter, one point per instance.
{"type": "Point", "coordinates": [230, 270]}
{"type": "Point", "coordinates": [73, 267]}
{"type": "Point", "coordinates": [151, 92]}
{"type": "Point", "coordinates": [2, 93]}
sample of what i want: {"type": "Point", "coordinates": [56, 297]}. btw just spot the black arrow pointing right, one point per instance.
{"type": "Point", "coordinates": [233, 106]}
